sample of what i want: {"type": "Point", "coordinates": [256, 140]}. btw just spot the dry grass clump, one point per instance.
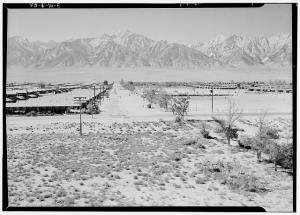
{"type": "Point", "coordinates": [196, 143]}
{"type": "Point", "coordinates": [204, 131]}
{"type": "Point", "coordinates": [233, 175]}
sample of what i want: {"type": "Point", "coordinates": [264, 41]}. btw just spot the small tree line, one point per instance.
{"type": "Point", "coordinates": [266, 141]}
{"type": "Point", "coordinates": [128, 85]}
{"type": "Point", "coordinates": [178, 105]}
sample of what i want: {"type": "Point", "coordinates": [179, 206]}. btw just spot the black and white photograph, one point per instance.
{"type": "Point", "coordinates": [149, 105]}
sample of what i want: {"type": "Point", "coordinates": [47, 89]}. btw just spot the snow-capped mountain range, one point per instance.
{"type": "Point", "coordinates": [128, 49]}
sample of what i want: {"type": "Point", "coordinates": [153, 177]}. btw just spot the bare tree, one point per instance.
{"type": "Point", "coordinates": [276, 153]}
{"type": "Point", "coordinates": [164, 99]}
{"type": "Point", "coordinates": [261, 140]}
{"type": "Point", "coordinates": [150, 95]}
{"type": "Point", "coordinates": [227, 125]}
{"type": "Point", "coordinates": [180, 107]}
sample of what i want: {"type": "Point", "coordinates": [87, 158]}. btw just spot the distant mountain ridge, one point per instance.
{"type": "Point", "coordinates": [128, 49]}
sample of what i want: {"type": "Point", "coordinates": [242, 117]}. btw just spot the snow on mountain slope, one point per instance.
{"type": "Point", "coordinates": [128, 49]}
{"type": "Point", "coordinates": [245, 51]}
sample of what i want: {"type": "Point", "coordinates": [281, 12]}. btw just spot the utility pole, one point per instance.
{"type": "Point", "coordinates": [94, 99]}
{"type": "Point", "coordinates": [80, 103]}
{"type": "Point", "coordinates": [103, 91]}
{"type": "Point", "coordinates": [100, 94]}
{"type": "Point", "coordinates": [212, 98]}
{"type": "Point", "coordinates": [94, 94]}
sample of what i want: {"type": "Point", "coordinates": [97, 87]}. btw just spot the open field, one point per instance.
{"type": "Point", "coordinates": [137, 163]}
{"type": "Point", "coordinates": [132, 155]}
{"type": "Point", "coordinates": [248, 103]}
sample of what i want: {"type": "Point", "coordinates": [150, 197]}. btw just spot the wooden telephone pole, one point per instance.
{"type": "Point", "coordinates": [212, 98]}
{"type": "Point", "coordinates": [103, 91]}
{"type": "Point", "coordinates": [100, 94]}
{"type": "Point", "coordinates": [79, 99]}
{"type": "Point", "coordinates": [94, 100]}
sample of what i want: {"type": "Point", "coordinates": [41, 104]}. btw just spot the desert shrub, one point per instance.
{"type": "Point", "coordinates": [233, 133]}
{"type": "Point", "coordinates": [246, 142]}
{"type": "Point", "coordinates": [280, 154]}
{"type": "Point", "coordinates": [272, 133]}
{"type": "Point", "coordinates": [92, 109]}
{"type": "Point", "coordinates": [178, 119]}
{"type": "Point", "coordinates": [205, 134]}
{"type": "Point", "coordinates": [287, 160]}
{"type": "Point", "coordinates": [201, 145]}
{"type": "Point", "coordinates": [248, 183]}
{"type": "Point", "coordinates": [275, 152]}
{"type": "Point", "coordinates": [164, 99]}
{"type": "Point", "coordinates": [233, 175]}
{"type": "Point", "coordinates": [227, 128]}
{"type": "Point", "coordinates": [262, 140]}
{"type": "Point", "coordinates": [218, 130]}
{"type": "Point", "coordinates": [227, 125]}
{"type": "Point", "coordinates": [180, 107]}
{"type": "Point", "coordinates": [204, 131]}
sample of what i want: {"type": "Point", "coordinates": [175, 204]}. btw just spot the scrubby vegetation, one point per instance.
{"type": "Point", "coordinates": [266, 141]}
{"type": "Point", "coordinates": [180, 107]}
{"type": "Point", "coordinates": [234, 175]}
{"type": "Point", "coordinates": [205, 131]}
{"type": "Point", "coordinates": [128, 86]}
{"type": "Point", "coordinates": [164, 100]}
{"type": "Point", "coordinates": [227, 125]}
{"type": "Point", "coordinates": [98, 168]}
{"type": "Point", "coordinates": [150, 95]}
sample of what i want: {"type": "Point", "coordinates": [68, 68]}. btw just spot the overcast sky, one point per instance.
{"type": "Point", "coordinates": [189, 25]}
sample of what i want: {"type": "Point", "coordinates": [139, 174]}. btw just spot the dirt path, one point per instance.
{"type": "Point", "coordinates": [111, 106]}
{"type": "Point", "coordinates": [123, 103]}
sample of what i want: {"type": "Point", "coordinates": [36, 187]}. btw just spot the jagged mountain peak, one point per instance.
{"type": "Point", "coordinates": [129, 49]}
{"type": "Point", "coordinates": [124, 33]}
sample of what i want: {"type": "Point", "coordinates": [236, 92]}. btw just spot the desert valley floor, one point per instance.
{"type": "Point", "coordinates": [129, 155]}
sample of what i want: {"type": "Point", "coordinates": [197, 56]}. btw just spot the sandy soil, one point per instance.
{"type": "Point", "coordinates": [127, 156]}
